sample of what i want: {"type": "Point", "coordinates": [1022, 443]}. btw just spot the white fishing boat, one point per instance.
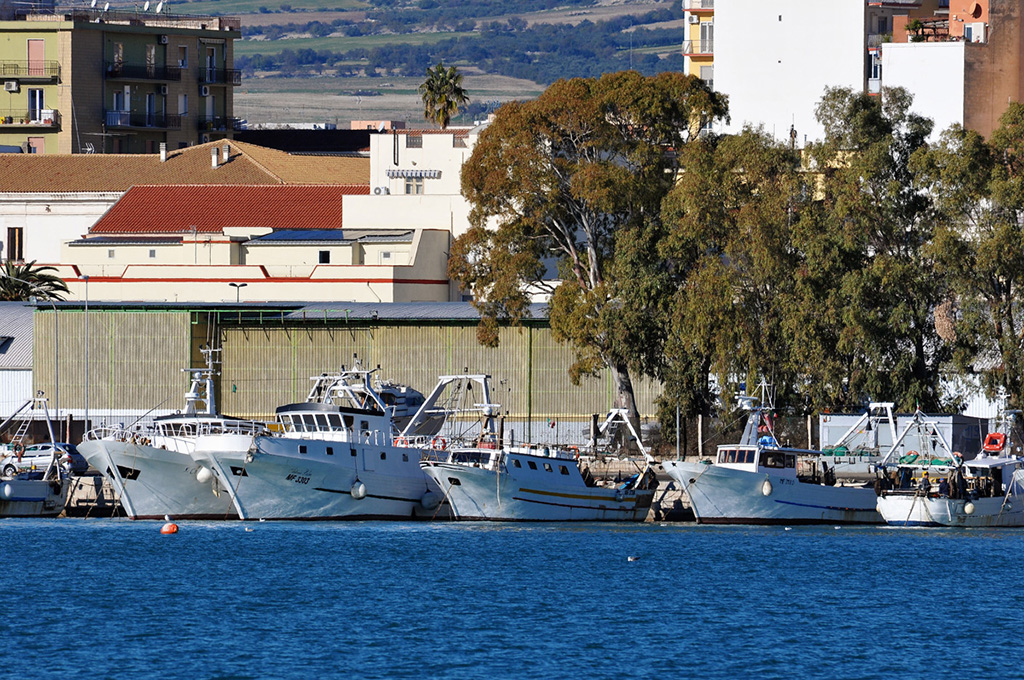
{"type": "Point", "coordinates": [758, 481]}
{"type": "Point", "coordinates": [149, 465]}
{"type": "Point", "coordinates": [334, 456]}
{"type": "Point", "coordinates": [35, 493]}
{"type": "Point", "coordinates": [934, 487]}
{"type": "Point", "coordinates": [490, 479]}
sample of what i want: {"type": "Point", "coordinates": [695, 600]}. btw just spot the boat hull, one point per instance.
{"type": "Point", "coordinates": [720, 495]}
{"type": "Point", "coordinates": [33, 497]}
{"type": "Point", "coordinates": [915, 510]}
{"type": "Point", "coordinates": [275, 480]}
{"type": "Point", "coordinates": [481, 494]}
{"type": "Point", "coordinates": [152, 482]}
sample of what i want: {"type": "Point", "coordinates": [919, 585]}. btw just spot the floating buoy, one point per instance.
{"type": "Point", "coordinates": [248, 529]}
{"type": "Point", "coordinates": [766, 488]}
{"type": "Point", "coordinates": [968, 508]}
{"type": "Point", "coordinates": [632, 558]}
{"type": "Point", "coordinates": [262, 519]}
{"type": "Point", "coordinates": [204, 474]}
{"type": "Point", "coordinates": [358, 490]}
{"type": "Point", "coordinates": [169, 528]}
{"type": "Point", "coordinates": [836, 528]}
{"type": "Point", "coordinates": [789, 528]}
{"type": "Point", "coordinates": [429, 500]}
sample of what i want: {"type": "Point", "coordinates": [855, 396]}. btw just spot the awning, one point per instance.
{"type": "Point", "coordinates": [429, 174]}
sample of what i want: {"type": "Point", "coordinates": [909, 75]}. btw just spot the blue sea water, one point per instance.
{"type": "Point", "coordinates": [107, 598]}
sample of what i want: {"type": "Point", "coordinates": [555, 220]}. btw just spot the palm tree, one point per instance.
{"type": "Point", "coordinates": [23, 281]}
{"type": "Point", "coordinates": [442, 94]}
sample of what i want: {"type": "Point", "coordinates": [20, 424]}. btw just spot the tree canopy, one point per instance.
{"type": "Point", "coordinates": [443, 94]}
{"type": "Point", "coordinates": [571, 184]}
{"type": "Point", "coordinates": [24, 281]}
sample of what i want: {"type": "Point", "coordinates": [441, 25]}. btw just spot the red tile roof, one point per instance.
{"type": "Point", "coordinates": [178, 209]}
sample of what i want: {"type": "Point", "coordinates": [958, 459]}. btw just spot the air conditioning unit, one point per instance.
{"type": "Point", "coordinates": [694, 19]}
{"type": "Point", "coordinates": [163, 89]}
{"type": "Point", "coordinates": [10, 86]}
{"type": "Point", "coordinates": [381, 191]}
{"type": "Point", "coordinates": [204, 138]}
{"type": "Point", "coordinates": [163, 40]}
{"type": "Point", "coordinates": [204, 90]}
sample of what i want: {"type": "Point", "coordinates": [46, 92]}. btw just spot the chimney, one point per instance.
{"type": "Point", "coordinates": [224, 156]}
{"type": "Point", "coordinates": [213, 156]}
{"type": "Point", "coordinates": [163, 152]}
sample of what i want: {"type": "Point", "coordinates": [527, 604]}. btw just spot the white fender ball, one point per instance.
{"type": "Point", "coordinates": [358, 490]}
{"type": "Point", "coordinates": [429, 500]}
{"type": "Point", "coordinates": [766, 488]}
{"type": "Point", "coordinates": [968, 508]}
{"type": "Point", "coordinates": [204, 474]}
{"type": "Point", "coordinates": [7, 491]}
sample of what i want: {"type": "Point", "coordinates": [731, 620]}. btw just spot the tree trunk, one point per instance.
{"type": "Point", "coordinates": [624, 397]}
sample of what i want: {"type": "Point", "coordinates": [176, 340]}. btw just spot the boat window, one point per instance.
{"type": "Point", "coordinates": [335, 421]}
{"type": "Point", "coordinates": [297, 425]}
{"type": "Point", "coordinates": [321, 421]}
{"type": "Point", "coordinates": [773, 459]}
{"type": "Point", "coordinates": [516, 463]}
{"type": "Point", "coordinates": [750, 456]}
{"type": "Point", "coordinates": [353, 451]}
{"type": "Point", "coordinates": [405, 457]}
{"type": "Point", "coordinates": [563, 469]}
{"type": "Point", "coordinates": [302, 448]}
{"type": "Point", "coordinates": [790, 461]}
{"type": "Point", "coordinates": [730, 456]}
{"type": "Point", "coordinates": [547, 466]}
{"type": "Point", "coordinates": [349, 420]}
{"type": "Point", "coordinates": [383, 456]}
{"type": "Point", "coordinates": [533, 466]}
{"type": "Point", "coordinates": [330, 450]}
{"type": "Point", "coordinates": [364, 425]}
{"type": "Point", "coordinates": [309, 421]}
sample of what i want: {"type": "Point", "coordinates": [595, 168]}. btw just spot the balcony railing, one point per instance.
{"type": "Point", "coordinates": [698, 47]}
{"type": "Point", "coordinates": [121, 119]}
{"type": "Point", "coordinates": [700, 4]}
{"type": "Point", "coordinates": [224, 76]}
{"type": "Point", "coordinates": [30, 70]}
{"type": "Point", "coordinates": [218, 123]}
{"type": "Point", "coordinates": [116, 69]}
{"type": "Point", "coordinates": [36, 118]}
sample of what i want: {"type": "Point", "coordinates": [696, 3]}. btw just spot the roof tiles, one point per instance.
{"type": "Point", "coordinates": [210, 209]}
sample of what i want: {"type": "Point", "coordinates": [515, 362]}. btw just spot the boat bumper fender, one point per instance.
{"type": "Point", "coordinates": [968, 508]}
{"type": "Point", "coordinates": [204, 474]}
{"type": "Point", "coordinates": [766, 487]}
{"type": "Point", "coordinates": [429, 500]}
{"type": "Point", "coordinates": [358, 490]}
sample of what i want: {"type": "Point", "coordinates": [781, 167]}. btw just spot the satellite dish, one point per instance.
{"type": "Point", "coordinates": [145, 7]}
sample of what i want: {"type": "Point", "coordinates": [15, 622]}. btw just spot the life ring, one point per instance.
{"type": "Point", "coordinates": [401, 441]}
{"type": "Point", "coordinates": [909, 458]}
{"type": "Point", "coordinates": [435, 440]}
{"type": "Point", "coordinates": [994, 441]}
{"type": "Point", "coordinates": [575, 451]}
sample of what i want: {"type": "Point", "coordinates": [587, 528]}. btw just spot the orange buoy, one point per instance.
{"type": "Point", "coordinates": [169, 528]}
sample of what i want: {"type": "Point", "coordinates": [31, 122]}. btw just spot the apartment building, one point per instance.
{"type": "Point", "coordinates": [961, 59]}
{"type": "Point", "coordinates": [100, 80]}
{"type": "Point", "coordinates": [699, 46]}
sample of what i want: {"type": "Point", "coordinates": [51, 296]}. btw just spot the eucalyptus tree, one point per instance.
{"type": "Point", "coordinates": [574, 181]}
{"type": "Point", "coordinates": [442, 94]}
{"type": "Point", "coordinates": [979, 246]}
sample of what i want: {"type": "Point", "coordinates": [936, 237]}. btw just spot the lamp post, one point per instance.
{"type": "Point", "coordinates": [238, 290]}
{"type": "Point", "coordinates": [85, 420]}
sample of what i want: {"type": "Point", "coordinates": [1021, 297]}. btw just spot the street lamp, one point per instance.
{"type": "Point", "coordinates": [238, 290]}
{"type": "Point", "coordinates": [85, 420]}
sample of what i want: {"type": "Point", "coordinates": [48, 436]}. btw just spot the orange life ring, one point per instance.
{"type": "Point", "coordinates": [435, 440]}
{"type": "Point", "coordinates": [401, 441]}
{"type": "Point", "coordinates": [576, 452]}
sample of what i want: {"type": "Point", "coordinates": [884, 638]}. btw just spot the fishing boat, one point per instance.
{"type": "Point", "coordinates": [149, 465]}
{"type": "Point", "coordinates": [934, 487]}
{"type": "Point", "coordinates": [490, 479]}
{"type": "Point", "coordinates": [335, 456]}
{"type": "Point", "coordinates": [759, 481]}
{"type": "Point", "coordinates": [35, 493]}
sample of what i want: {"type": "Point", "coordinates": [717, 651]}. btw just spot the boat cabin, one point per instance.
{"type": "Point", "coordinates": [332, 422]}
{"type": "Point", "coordinates": [755, 458]}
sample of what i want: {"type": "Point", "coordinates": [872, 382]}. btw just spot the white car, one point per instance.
{"type": "Point", "coordinates": [37, 456]}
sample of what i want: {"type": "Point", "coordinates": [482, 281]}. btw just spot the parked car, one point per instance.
{"type": "Point", "coordinates": [38, 456]}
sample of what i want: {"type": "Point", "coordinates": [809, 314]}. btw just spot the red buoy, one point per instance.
{"type": "Point", "coordinates": [169, 528]}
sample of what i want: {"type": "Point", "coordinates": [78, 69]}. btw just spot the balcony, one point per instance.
{"type": "Point", "coordinates": [34, 71]}
{"type": "Point", "coordinates": [30, 118]}
{"type": "Point", "coordinates": [698, 47]}
{"type": "Point", "coordinates": [127, 119]}
{"type": "Point", "coordinates": [219, 76]}
{"type": "Point", "coordinates": [218, 123]}
{"type": "Point", "coordinates": [124, 71]}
